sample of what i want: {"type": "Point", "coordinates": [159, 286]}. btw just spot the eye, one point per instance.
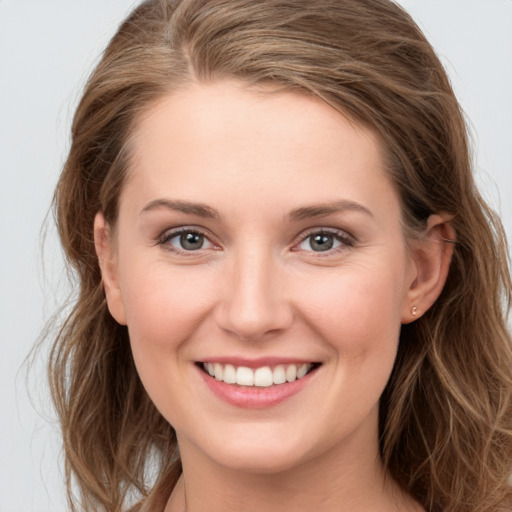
{"type": "Point", "coordinates": [186, 240]}
{"type": "Point", "coordinates": [324, 241]}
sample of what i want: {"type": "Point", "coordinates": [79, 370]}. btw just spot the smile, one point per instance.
{"type": "Point", "coordinates": [264, 376]}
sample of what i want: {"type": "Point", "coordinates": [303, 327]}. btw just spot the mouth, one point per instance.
{"type": "Point", "coordinates": [262, 377]}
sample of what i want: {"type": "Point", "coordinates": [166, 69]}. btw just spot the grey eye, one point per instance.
{"type": "Point", "coordinates": [189, 241]}
{"type": "Point", "coordinates": [320, 242]}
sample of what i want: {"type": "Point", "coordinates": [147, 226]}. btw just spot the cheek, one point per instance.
{"type": "Point", "coordinates": [357, 314]}
{"type": "Point", "coordinates": [356, 307]}
{"type": "Point", "coordinates": [163, 307]}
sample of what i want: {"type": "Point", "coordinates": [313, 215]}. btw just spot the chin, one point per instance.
{"type": "Point", "coordinates": [253, 449]}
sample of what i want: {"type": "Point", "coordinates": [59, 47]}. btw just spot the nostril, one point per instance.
{"type": "Point", "coordinates": [252, 322]}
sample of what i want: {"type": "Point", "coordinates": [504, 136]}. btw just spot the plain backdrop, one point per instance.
{"type": "Point", "coordinates": [47, 49]}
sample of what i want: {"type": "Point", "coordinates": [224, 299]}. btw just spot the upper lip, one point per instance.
{"type": "Point", "coordinates": [258, 362]}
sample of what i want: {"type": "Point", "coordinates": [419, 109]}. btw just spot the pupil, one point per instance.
{"type": "Point", "coordinates": [191, 241]}
{"type": "Point", "coordinates": [321, 242]}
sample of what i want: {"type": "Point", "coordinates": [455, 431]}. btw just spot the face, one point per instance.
{"type": "Point", "coordinates": [259, 240]}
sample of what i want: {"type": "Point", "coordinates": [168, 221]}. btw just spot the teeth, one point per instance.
{"type": "Point", "coordinates": [263, 377]}
{"type": "Point", "coordinates": [279, 376]}
{"type": "Point", "coordinates": [229, 374]}
{"type": "Point", "coordinates": [259, 377]}
{"type": "Point", "coordinates": [218, 371]}
{"type": "Point", "coordinates": [244, 376]}
{"type": "Point", "coordinates": [291, 373]}
{"type": "Point", "coordinates": [301, 371]}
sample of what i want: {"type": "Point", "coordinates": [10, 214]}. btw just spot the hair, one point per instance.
{"type": "Point", "coordinates": [445, 421]}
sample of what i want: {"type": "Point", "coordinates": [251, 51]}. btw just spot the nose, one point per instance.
{"type": "Point", "coordinates": [253, 301]}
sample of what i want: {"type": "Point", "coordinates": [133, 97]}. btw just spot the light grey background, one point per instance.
{"type": "Point", "coordinates": [47, 49]}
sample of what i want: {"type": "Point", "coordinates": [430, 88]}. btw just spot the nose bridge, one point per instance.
{"type": "Point", "coordinates": [254, 302]}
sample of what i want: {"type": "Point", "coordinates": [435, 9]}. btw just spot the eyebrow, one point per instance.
{"type": "Point", "coordinates": [305, 212]}
{"type": "Point", "coordinates": [187, 207]}
{"type": "Point", "coordinates": [321, 210]}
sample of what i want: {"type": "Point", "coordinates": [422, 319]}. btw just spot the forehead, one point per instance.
{"type": "Point", "coordinates": [287, 146]}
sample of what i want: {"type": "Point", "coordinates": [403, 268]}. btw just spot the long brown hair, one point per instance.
{"type": "Point", "coordinates": [446, 413]}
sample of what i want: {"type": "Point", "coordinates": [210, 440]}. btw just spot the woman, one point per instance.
{"type": "Point", "coordinates": [291, 294]}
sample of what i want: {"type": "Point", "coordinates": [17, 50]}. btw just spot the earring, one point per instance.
{"type": "Point", "coordinates": [414, 311]}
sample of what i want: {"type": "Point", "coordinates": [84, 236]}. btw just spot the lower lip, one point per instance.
{"type": "Point", "coordinates": [254, 397]}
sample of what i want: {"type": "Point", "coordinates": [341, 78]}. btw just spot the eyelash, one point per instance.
{"type": "Point", "coordinates": [169, 235]}
{"type": "Point", "coordinates": [346, 240]}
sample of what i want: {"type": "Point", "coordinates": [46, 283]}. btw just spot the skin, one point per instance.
{"type": "Point", "coordinates": [258, 288]}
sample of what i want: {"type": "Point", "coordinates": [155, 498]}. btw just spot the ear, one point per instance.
{"type": "Point", "coordinates": [430, 255]}
{"type": "Point", "coordinates": [107, 257]}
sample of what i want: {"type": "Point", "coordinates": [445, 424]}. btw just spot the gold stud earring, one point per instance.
{"type": "Point", "coordinates": [414, 311]}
